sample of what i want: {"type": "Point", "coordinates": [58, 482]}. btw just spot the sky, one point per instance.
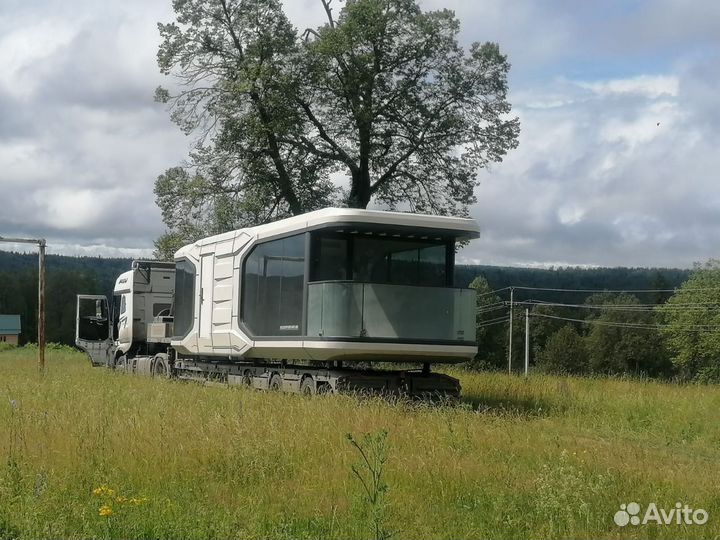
{"type": "Point", "coordinates": [617, 163]}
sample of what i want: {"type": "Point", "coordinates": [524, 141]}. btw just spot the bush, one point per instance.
{"type": "Point", "coordinates": [565, 352]}
{"type": "Point", "coordinates": [6, 346]}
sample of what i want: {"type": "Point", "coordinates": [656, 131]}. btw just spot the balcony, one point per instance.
{"type": "Point", "coordinates": [344, 309]}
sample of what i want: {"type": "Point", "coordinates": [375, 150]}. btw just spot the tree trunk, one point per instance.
{"type": "Point", "coordinates": [360, 188]}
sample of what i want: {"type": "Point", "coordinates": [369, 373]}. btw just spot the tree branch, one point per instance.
{"type": "Point", "coordinates": [328, 10]}
{"type": "Point", "coordinates": [345, 158]}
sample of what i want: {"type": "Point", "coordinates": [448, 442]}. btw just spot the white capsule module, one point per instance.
{"type": "Point", "coordinates": [330, 285]}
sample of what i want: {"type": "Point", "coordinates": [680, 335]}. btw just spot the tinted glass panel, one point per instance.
{"type": "Point", "coordinates": [184, 298]}
{"type": "Point", "coordinates": [330, 259]}
{"type": "Point", "coordinates": [273, 281]}
{"type": "Point", "coordinates": [93, 319]}
{"type": "Point", "coordinates": [400, 262]}
{"type": "Point", "coordinates": [379, 258]}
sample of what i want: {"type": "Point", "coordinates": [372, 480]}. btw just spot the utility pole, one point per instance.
{"type": "Point", "coordinates": [41, 305]}
{"type": "Point", "coordinates": [527, 340]}
{"type": "Point", "coordinates": [41, 294]}
{"type": "Point", "coordinates": [512, 291]}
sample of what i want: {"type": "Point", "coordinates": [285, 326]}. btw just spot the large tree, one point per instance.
{"type": "Point", "coordinates": [382, 94]}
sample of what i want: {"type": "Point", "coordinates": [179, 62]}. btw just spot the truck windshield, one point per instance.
{"type": "Point", "coordinates": [371, 257]}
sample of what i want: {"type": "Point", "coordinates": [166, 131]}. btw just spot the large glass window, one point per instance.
{"type": "Point", "coordinates": [184, 298]}
{"type": "Point", "coordinates": [273, 280]}
{"type": "Point", "coordinates": [380, 258]}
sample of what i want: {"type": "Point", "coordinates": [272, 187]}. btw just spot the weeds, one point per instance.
{"type": "Point", "coordinates": [369, 472]}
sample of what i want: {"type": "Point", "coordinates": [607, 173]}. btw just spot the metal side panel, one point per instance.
{"type": "Point", "coordinates": [207, 263]}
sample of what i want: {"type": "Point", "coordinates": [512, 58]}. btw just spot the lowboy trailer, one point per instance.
{"type": "Point", "coordinates": [305, 304]}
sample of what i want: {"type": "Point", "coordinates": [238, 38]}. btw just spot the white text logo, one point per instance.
{"type": "Point", "coordinates": [681, 514]}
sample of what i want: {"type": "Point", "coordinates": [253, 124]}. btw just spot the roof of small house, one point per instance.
{"type": "Point", "coordinates": [9, 324]}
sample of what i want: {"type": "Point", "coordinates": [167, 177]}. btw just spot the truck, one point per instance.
{"type": "Point", "coordinates": [334, 300]}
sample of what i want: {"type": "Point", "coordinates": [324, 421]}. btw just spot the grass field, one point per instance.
{"type": "Point", "coordinates": [543, 457]}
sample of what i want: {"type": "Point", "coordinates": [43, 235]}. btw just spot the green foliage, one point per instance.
{"type": "Point", "coordinates": [693, 318]}
{"type": "Point", "coordinates": [543, 325]}
{"type": "Point", "coordinates": [236, 61]}
{"type": "Point", "coordinates": [564, 352]}
{"type": "Point", "coordinates": [625, 349]}
{"type": "Point", "coordinates": [407, 113]}
{"type": "Point", "coordinates": [491, 337]}
{"type": "Point", "coordinates": [382, 93]}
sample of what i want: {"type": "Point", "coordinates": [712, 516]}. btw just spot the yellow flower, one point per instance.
{"type": "Point", "coordinates": [105, 511]}
{"type": "Point", "coordinates": [138, 501]}
{"type": "Point", "coordinates": [121, 500]}
{"type": "Point", "coordinates": [103, 490]}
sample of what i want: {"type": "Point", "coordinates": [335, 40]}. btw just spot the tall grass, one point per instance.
{"type": "Point", "coordinates": [543, 457]}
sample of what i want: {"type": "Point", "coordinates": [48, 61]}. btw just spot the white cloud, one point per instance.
{"type": "Point", "coordinates": [597, 181]}
{"type": "Point", "coordinates": [23, 47]}
{"type": "Point", "coordinates": [651, 86]}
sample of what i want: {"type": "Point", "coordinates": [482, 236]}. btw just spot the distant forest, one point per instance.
{"type": "Point", "coordinates": [68, 276]}
{"type": "Point", "coordinates": [65, 278]}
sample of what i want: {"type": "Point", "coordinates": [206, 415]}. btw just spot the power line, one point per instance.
{"type": "Point", "coordinates": [693, 328]}
{"type": "Point", "coordinates": [493, 292]}
{"type": "Point", "coordinates": [487, 310]}
{"type": "Point", "coordinates": [496, 320]}
{"type": "Point", "coordinates": [611, 290]}
{"type": "Point", "coordinates": [698, 306]}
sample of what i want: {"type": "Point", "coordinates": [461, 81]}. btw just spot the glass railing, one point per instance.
{"type": "Point", "coordinates": [349, 309]}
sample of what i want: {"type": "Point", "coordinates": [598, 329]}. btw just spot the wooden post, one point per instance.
{"type": "Point", "coordinates": [510, 333]}
{"type": "Point", "coordinates": [527, 340]}
{"type": "Point", "coordinates": [41, 307]}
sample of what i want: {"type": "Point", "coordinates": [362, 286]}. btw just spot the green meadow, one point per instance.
{"type": "Point", "coordinates": [89, 453]}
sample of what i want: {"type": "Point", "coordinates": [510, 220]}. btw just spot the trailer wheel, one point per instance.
{"type": "Point", "coordinates": [307, 386]}
{"type": "Point", "coordinates": [324, 388]}
{"type": "Point", "coordinates": [275, 384]}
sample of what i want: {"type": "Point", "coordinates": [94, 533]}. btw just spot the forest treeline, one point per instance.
{"type": "Point", "coordinates": [69, 276]}
{"type": "Point", "coordinates": [664, 326]}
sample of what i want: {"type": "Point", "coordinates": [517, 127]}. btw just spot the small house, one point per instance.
{"type": "Point", "coordinates": [9, 329]}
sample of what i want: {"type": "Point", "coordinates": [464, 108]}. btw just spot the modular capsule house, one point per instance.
{"type": "Point", "coordinates": [330, 285]}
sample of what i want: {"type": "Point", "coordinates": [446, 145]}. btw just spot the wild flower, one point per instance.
{"type": "Point", "coordinates": [103, 490]}
{"type": "Point", "coordinates": [105, 511]}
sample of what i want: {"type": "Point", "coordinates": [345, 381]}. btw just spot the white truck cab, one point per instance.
{"type": "Point", "coordinates": [140, 311]}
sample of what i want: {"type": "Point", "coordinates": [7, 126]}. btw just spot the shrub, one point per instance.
{"type": "Point", "coordinates": [565, 352]}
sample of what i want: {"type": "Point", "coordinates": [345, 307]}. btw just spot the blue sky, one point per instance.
{"type": "Point", "coordinates": [617, 163]}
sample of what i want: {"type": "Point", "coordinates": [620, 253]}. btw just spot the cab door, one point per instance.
{"type": "Point", "coordinates": [92, 328]}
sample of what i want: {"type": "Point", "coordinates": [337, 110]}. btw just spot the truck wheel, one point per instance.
{"type": "Point", "coordinates": [275, 383]}
{"type": "Point", "coordinates": [307, 386]}
{"type": "Point", "coordinates": [121, 363]}
{"type": "Point", "coordinates": [160, 367]}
